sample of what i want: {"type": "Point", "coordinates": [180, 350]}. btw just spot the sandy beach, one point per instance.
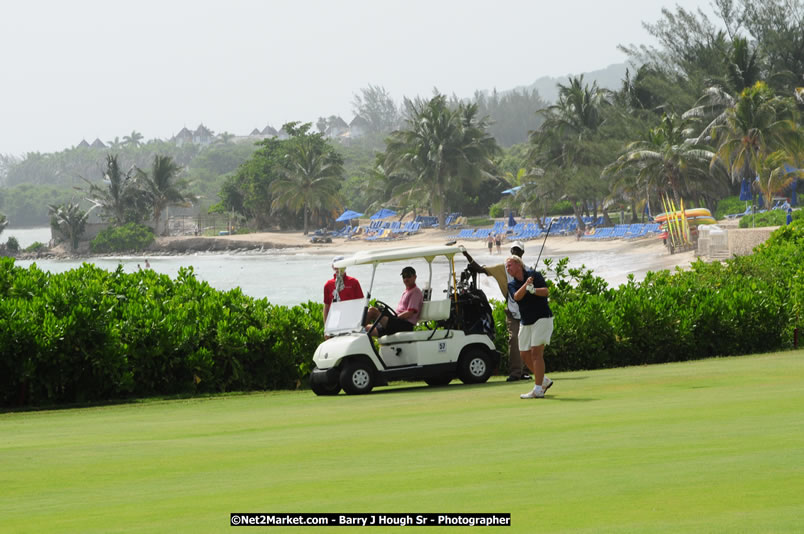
{"type": "Point", "coordinates": [651, 254]}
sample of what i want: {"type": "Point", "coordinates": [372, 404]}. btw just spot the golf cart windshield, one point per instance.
{"type": "Point", "coordinates": [345, 317]}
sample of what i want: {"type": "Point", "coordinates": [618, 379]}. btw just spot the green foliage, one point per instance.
{"type": "Point", "coordinates": [27, 204]}
{"type": "Point", "coordinates": [768, 218]}
{"type": "Point", "coordinates": [12, 244]}
{"type": "Point", "coordinates": [729, 206]}
{"type": "Point", "coordinates": [89, 334]}
{"type": "Point", "coordinates": [131, 237]}
{"type": "Point", "coordinates": [36, 246]}
{"type": "Point", "coordinates": [562, 207]}
{"type": "Point", "coordinates": [496, 210]}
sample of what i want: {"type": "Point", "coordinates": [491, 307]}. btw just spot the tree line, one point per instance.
{"type": "Point", "coordinates": [714, 104]}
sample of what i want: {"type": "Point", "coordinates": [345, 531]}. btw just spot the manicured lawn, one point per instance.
{"type": "Point", "coordinates": [708, 446]}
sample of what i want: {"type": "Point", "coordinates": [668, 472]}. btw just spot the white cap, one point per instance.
{"type": "Point", "coordinates": [336, 258]}
{"type": "Point", "coordinates": [519, 245]}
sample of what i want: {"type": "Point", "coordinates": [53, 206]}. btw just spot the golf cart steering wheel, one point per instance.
{"type": "Point", "coordinates": [385, 310]}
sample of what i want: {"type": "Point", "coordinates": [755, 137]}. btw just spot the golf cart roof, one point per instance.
{"type": "Point", "coordinates": [367, 257]}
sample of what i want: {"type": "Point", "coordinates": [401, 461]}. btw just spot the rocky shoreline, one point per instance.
{"type": "Point", "coordinates": [163, 246]}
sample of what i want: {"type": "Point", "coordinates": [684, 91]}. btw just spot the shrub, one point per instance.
{"type": "Point", "coordinates": [36, 246]}
{"type": "Point", "coordinates": [12, 244]}
{"type": "Point", "coordinates": [131, 237]}
{"type": "Point", "coordinates": [768, 218]}
{"type": "Point", "coordinates": [729, 206]}
{"type": "Point", "coordinates": [496, 210]}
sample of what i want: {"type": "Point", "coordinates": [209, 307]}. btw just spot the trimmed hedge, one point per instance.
{"type": "Point", "coordinates": [89, 335]}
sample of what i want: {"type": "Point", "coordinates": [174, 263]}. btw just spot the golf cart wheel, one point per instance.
{"type": "Point", "coordinates": [474, 367]}
{"type": "Point", "coordinates": [325, 389]}
{"type": "Point", "coordinates": [441, 380]}
{"type": "Point", "coordinates": [357, 377]}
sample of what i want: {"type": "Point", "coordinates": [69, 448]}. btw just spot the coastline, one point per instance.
{"type": "Point", "coordinates": [652, 253]}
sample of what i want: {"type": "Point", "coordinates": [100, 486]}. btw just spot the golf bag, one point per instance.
{"type": "Point", "coordinates": [470, 311]}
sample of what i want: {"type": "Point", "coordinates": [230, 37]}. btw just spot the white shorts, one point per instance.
{"type": "Point", "coordinates": [533, 335]}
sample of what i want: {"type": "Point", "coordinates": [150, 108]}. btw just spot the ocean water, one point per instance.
{"type": "Point", "coordinates": [289, 277]}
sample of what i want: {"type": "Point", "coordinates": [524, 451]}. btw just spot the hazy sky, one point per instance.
{"type": "Point", "coordinates": [84, 69]}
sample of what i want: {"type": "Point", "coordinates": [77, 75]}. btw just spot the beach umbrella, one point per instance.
{"type": "Point", "coordinates": [511, 221]}
{"type": "Point", "coordinates": [383, 214]}
{"type": "Point", "coordinates": [512, 191]}
{"type": "Point", "coordinates": [348, 215]}
{"type": "Point", "coordinates": [745, 190]}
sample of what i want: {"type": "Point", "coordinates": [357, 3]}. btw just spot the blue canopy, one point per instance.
{"type": "Point", "coordinates": [383, 214]}
{"type": "Point", "coordinates": [348, 215]}
{"type": "Point", "coordinates": [512, 191]}
{"type": "Point", "coordinates": [745, 190]}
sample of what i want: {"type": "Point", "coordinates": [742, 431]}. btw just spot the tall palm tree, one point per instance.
{"type": "Point", "coordinates": [70, 220]}
{"type": "Point", "coordinates": [134, 139]}
{"type": "Point", "coordinates": [118, 200]}
{"type": "Point", "coordinates": [441, 150]}
{"type": "Point", "coordinates": [757, 125]}
{"type": "Point", "coordinates": [310, 178]}
{"type": "Point", "coordinates": [666, 161]}
{"type": "Point", "coordinates": [567, 146]}
{"type": "Point", "coordinates": [162, 188]}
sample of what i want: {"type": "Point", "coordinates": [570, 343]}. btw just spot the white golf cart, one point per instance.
{"type": "Point", "coordinates": [458, 342]}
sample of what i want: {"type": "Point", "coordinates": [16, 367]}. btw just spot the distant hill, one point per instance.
{"type": "Point", "coordinates": [609, 78]}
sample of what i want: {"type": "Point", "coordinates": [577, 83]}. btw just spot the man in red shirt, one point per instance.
{"type": "Point", "coordinates": [348, 288]}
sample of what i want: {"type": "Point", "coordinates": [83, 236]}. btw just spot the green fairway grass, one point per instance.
{"type": "Point", "coordinates": [706, 446]}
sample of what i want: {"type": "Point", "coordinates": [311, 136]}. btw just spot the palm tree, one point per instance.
{"type": "Point", "coordinates": [3, 222]}
{"type": "Point", "coordinates": [757, 125]}
{"type": "Point", "coordinates": [161, 188]}
{"type": "Point", "coordinates": [119, 199]}
{"type": "Point", "coordinates": [442, 150]}
{"type": "Point", "coordinates": [133, 139]}
{"type": "Point", "coordinates": [666, 161]}
{"type": "Point", "coordinates": [311, 174]}
{"type": "Point", "coordinates": [115, 144]}
{"type": "Point", "coordinates": [568, 145]}
{"type": "Point", "coordinates": [70, 220]}
{"type": "Point", "coordinates": [225, 137]}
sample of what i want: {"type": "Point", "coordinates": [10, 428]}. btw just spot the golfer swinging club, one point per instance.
{"type": "Point", "coordinates": [530, 291]}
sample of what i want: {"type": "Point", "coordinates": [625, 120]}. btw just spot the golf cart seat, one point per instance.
{"type": "Point", "coordinates": [432, 310]}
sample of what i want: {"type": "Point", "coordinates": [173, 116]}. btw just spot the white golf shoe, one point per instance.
{"type": "Point", "coordinates": [546, 383]}
{"type": "Point", "coordinates": [536, 393]}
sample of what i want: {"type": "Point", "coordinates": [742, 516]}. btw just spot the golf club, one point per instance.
{"type": "Point", "coordinates": [535, 265]}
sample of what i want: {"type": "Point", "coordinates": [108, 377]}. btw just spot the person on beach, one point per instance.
{"type": "Point", "coordinates": [339, 288]}
{"type": "Point", "coordinates": [516, 369]}
{"type": "Point", "coordinates": [530, 291]}
{"type": "Point", "coordinates": [498, 242]}
{"type": "Point", "coordinates": [147, 264]}
{"type": "Point", "coordinates": [407, 311]}
{"type": "Point", "coordinates": [490, 243]}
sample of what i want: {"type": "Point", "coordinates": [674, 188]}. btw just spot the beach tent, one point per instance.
{"type": "Point", "coordinates": [383, 214]}
{"type": "Point", "coordinates": [348, 215]}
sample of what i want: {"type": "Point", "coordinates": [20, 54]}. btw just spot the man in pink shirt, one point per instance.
{"type": "Point", "coordinates": [407, 311]}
